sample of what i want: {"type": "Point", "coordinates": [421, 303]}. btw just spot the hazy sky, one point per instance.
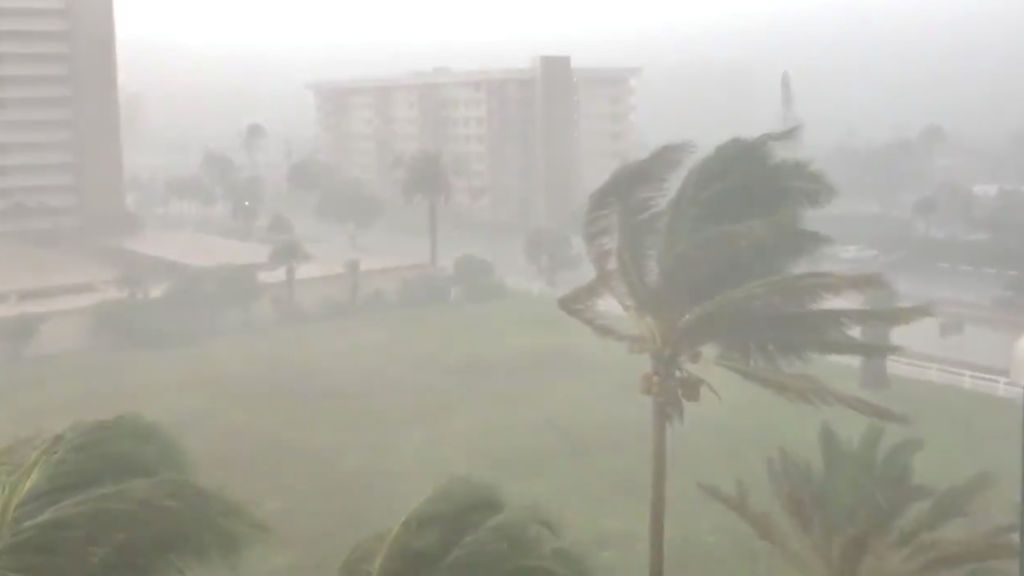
{"type": "Point", "coordinates": [863, 69]}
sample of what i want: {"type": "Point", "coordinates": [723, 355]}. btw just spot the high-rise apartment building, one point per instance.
{"type": "Point", "coordinates": [521, 145]}
{"type": "Point", "coordinates": [60, 144]}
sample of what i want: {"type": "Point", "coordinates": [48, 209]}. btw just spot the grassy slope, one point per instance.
{"type": "Point", "coordinates": [334, 430]}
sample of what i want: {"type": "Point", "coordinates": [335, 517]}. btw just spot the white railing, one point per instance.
{"type": "Point", "coordinates": [941, 374]}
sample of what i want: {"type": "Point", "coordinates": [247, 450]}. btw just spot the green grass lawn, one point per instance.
{"type": "Point", "coordinates": [334, 430]}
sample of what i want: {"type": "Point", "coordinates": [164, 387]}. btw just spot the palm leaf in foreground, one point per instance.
{"type": "Point", "coordinates": [465, 528]}
{"type": "Point", "coordinates": [861, 513]}
{"type": "Point", "coordinates": [115, 499]}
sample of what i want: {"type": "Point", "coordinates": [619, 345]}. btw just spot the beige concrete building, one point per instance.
{"type": "Point", "coordinates": [60, 145]}
{"type": "Point", "coordinates": [521, 145]}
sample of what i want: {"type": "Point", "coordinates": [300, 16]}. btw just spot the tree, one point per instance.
{"type": "Point", "coordinates": [280, 226]}
{"type": "Point", "coordinates": [253, 141]}
{"type": "Point", "coordinates": [311, 174]}
{"type": "Point", "coordinates": [862, 513]}
{"type": "Point", "coordinates": [288, 254]}
{"type": "Point", "coordinates": [464, 528]}
{"type": "Point", "coordinates": [551, 253]}
{"type": "Point", "coordinates": [112, 498]}
{"type": "Point", "coordinates": [707, 269]}
{"type": "Point", "coordinates": [427, 178]}
{"type": "Point", "coordinates": [347, 204]}
{"type": "Point", "coordinates": [219, 171]}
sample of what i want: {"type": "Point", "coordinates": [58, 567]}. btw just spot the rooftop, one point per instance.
{"type": "Point", "coordinates": [450, 76]}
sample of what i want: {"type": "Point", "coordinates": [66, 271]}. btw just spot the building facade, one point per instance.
{"type": "Point", "coordinates": [60, 143]}
{"type": "Point", "coordinates": [521, 145]}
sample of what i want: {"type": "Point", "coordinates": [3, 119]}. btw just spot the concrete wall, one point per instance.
{"type": "Point", "coordinates": [97, 110]}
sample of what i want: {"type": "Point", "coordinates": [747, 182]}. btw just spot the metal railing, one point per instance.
{"type": "Point", "coordinates": [993, 384]}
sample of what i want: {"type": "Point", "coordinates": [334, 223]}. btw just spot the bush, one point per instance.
{"type": "Point", "coordinates": [194, 306]}
{"type": "Point", "coordinates": [475, 279]}
{"type": "Point", "coordinates": [425, 290]}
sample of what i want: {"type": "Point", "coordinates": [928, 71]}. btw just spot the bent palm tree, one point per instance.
{"type": "Point", "coordinates": [111, 498]}
{"type": "Point", "coordinates": [426, 177]}
{"type": "Point", "coordinates": [708, 267]}
{"type": "Point", "coordinates": [464, 528]}
{"type": "Point", "coordinates": [863, 513]}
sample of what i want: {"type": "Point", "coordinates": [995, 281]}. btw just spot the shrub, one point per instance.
{"type": "Point", "coordinates": [475, 279]}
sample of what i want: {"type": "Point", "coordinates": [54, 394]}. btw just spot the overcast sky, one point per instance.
{"type": "Point", "coordinates": [862, 68]}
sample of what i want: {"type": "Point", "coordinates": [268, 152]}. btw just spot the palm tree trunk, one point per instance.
{"type": "Point", "coordinates": [659, 477]}
{"type": "Point", "coordinates": [432, 224]}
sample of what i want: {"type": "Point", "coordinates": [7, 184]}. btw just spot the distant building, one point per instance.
{"type": "Point", "coordinates": [60, 145]}
{"type": "Point", "coordinates": [521, 145]}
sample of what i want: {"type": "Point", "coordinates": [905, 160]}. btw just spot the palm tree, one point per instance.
{"type": "Point", "coordinates": [427, 178]}
{"type": "Point", "coordinates": [289, 254]}
{"type": "Point", "coordinates": [465, 528]}
{"type": "Point", "coordinates": [863, 513]}
{"type": "Point", "coordinates": [708, 268]}
{"type": "Point", "coordinates": [111, 498]}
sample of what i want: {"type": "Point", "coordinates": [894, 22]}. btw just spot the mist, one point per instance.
{"type": "Point", "coordinates": [535, 288]}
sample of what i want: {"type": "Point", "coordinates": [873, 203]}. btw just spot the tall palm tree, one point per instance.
{"type": "Point", "coordinates": [427, 178]}
{"type": "Point", "coordinates": [861, 512]}
{"type": "Point", "coordinates": [465, 528]}
{"type": "Point", "coordinates": [708, 268]}
{"type": "Point", "coordinates": [111, 498]}
{"type": "Point", "coordinates": [289, 254]}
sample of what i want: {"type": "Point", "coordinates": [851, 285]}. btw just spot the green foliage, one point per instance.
{"type": "Point", "coordinates": [475, 279]}
{"type": "Point", "coordinates": [862, 512]}
{"type": "Point", "coordinates": [708, 269]}
{"type": "Point", "coordinates": [465, 528]}
{"type": "Point", "coordinates": [112, 498]}
{"type": "Point", "coordinates": [551, 253]}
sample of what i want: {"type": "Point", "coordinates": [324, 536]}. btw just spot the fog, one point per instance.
{"type": "Point", "coordinates": [533, 288]}
{"type": "Point", "coordinates": [863, 71]}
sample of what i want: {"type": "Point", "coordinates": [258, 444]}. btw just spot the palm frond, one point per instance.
{"type": "Point", "coordinates": [515, 542]}
{"type": "Point", "coordinates": [808, 390]}
{"type": "Point", "coordinates": [582, 304]}
{"type": "Point", "coordinates": [135, 527]}
{"type": "Point", "coordinates": [429, 533]}
{"type": "Point", "coordinates": [763, 525]}
{"type": "Point", "coordinates": [622, 218]}
{"type": "Point", "coordinates": [844, 511]}
{"type": "Point", "coordinates": [787, 301]}
{"type": "Point", "coordinates": [114, 497]}
{"type": "Point", "coordinates": [730, 256]}
{"type": "Point", "coordinates": [463, 529]}
{"type": "Point", "coordinates": [362, 558]}
{"type": "Point", "coordinates": [951, 504]}
{"type": "Point", "coordinates": [743, 180]}
{"type": "Point", "coordinates": [637, 188]}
